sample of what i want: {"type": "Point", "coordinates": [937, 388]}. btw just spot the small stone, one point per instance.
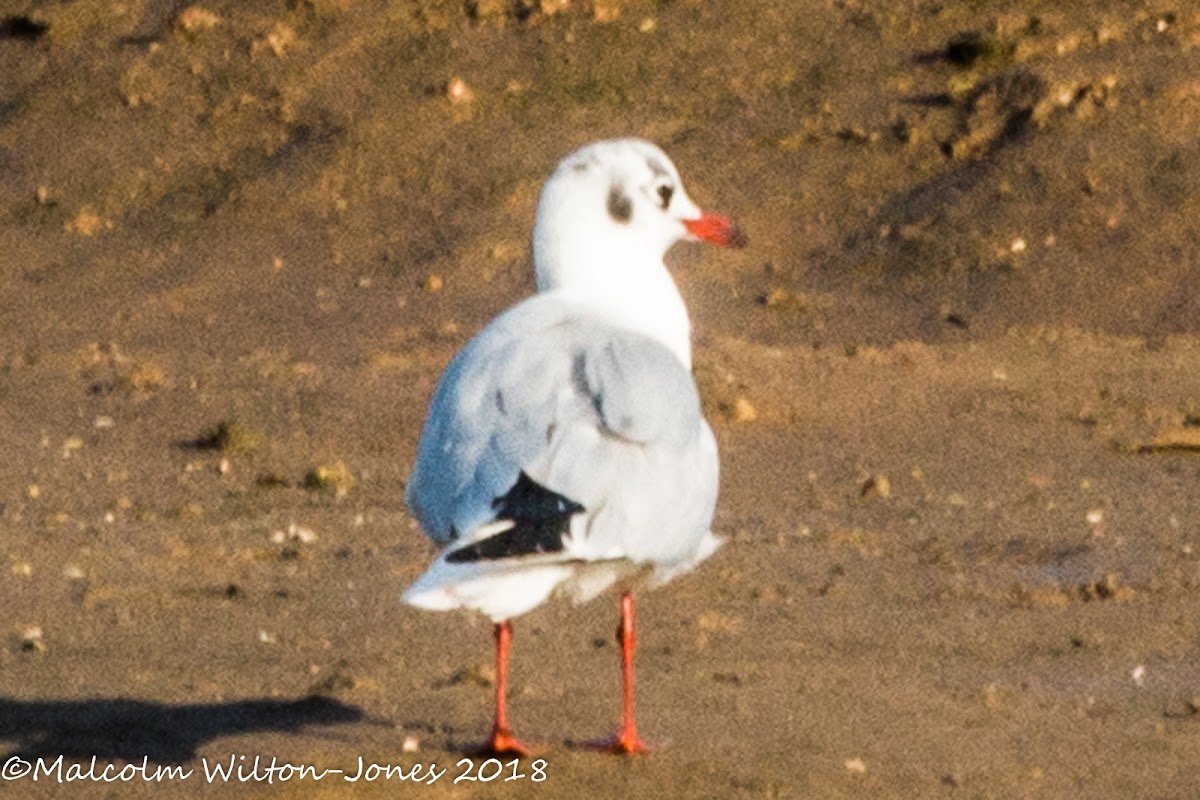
{"type": "Point", "coordinates": [34, 491]}
{"type": "Point", "coordinates": [432, 283]}
{"type": "Point", "coordinates": [1138, 675]}
{"type": "Point", "coordinates": [195, 19]}
{"type": "Point", "coordinates": [605, 11]}
{"type": "Point", "coordinates": [1107, 588]}
{"type": "Point", "coordinates": [742, 410]}
{"type": "Point", "coordinates": [877, 486]}
{"type": "Point", "coordinates": [294, 533]}
{"type": "Point", "coordinates": [458, 93]}
{"type": "Point", "coordinates": [856, 766]}
{"type": "Point", "coordinates": [782, 298]}
{"type": "Point", "coordinates": [278, 40]}
{"type": "Point", "coordinates": [86, 223]}
{"type": "Point", "coordinates": [335, 477]}
{"type": "Point", "coordinates": [229, 436]}
{"type": "Point", "coordinates": [411, 744]}
{"type": "Point", "coordinates": [32, 640]}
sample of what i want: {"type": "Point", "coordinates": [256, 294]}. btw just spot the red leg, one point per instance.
{"type": "Point", "coordinates": [502, 741]}
{"type": "Point", "coordinates": [626, 740]}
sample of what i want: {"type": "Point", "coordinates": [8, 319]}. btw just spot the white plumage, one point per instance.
{"type": "Point", "coordinates": [565, 447]}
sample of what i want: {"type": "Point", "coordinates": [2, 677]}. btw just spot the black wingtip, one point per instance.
{"type": "Point", "coordinates": [540, 517]}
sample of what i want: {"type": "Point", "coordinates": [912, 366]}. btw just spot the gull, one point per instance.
{"type": "Point", "coordinates": [565, 450]}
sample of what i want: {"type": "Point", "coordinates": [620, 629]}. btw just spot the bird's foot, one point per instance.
{"type": "Point", "coordinates": [624, 742]}
{"type": "Point", "coordinates": [502, 743]}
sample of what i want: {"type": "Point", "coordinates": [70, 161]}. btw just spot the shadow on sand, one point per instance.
{"type": "Point", "coordinates": [130, 730]}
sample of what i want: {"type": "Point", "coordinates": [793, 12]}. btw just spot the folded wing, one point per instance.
{"type": "Point", "coordinates": [554, 432]}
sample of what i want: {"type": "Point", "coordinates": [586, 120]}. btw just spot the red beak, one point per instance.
{"type": "Point", "coordinates": [716, 229]}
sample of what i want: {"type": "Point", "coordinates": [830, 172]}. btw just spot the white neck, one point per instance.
{"type": "Point", "coordinates": [623, 284]}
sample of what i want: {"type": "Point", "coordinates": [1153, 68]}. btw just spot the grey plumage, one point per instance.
{"type": "Point", "coordinates": [604, 416]}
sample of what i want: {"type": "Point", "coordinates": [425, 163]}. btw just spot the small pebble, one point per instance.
{"type": "Point", "coordinates": [278, 40]}
{"type": "Point", "coordinates": [458, 92]}
{"type": "Point", "coordinates": [877, 486]}
{"type": "Point", "coordinates": [605, 11]}
{"type": "Point", "coordinates": [743, 411]}
{"type": "Point", "coordinates": [194, 19]}
{"type": "Point", "coordinates": [1138, 675]}
{"type": "Point", "coordinates": [294, 533]}
{"type": "Point", "coordinates": [32, 640]}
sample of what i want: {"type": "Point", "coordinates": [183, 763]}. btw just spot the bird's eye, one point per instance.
{"type": "Point", "coordinates": [665, 191]}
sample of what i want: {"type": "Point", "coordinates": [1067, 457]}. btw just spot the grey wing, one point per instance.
{"type": "Point", "coordinates": [607, 419]}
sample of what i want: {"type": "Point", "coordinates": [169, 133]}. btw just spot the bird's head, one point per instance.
{"type": "Point", "coordinates": [613, 202]}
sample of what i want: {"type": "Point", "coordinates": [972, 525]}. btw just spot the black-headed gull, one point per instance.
{"type": "Point", "coordinates": [565, 448]}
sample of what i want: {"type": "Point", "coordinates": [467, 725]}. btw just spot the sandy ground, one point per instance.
{"type": "Point", "coordinates": [955, 380]}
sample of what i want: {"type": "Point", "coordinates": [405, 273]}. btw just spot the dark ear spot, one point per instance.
{"type": "Point", "coordinates": [665, 191]}
{"type": "Point", "coordinates": [620, 207]}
